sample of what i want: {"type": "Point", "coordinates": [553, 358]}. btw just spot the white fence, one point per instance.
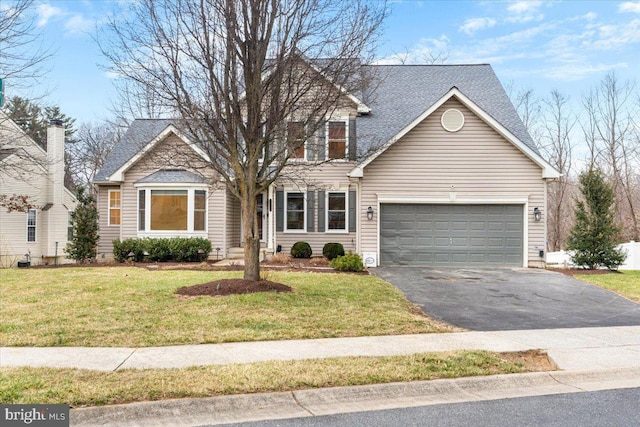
{"type": "Point", "coordinates": [563, 258]}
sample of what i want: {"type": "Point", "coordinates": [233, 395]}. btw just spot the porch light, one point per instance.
{"type": "Point", "coordinates": [537, 214]}
{"type": "Point", "coordinates": [369, 213]}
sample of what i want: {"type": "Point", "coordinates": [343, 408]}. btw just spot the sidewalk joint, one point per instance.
{"type": "Point", "coordinates": [125, 359]}
{"type": "Point", "coordinates": [295, 399]}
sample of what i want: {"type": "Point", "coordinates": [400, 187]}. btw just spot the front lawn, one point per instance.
{"type": "Point", "coordinates": [135, 307]}
{"type": "Point", "coordinates": [90, 388]}
{"type": "Point", "coordinates": [625, 283]}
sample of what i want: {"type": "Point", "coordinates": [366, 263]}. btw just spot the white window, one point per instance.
{"type": "Point", "coordinates": [337, 211]}
{"type": "Point", "coordinates": [295, 212]}
{"type": "Point", "coordinates": [69, 227]}
{"type": "Point", "coordinates": [337, 141]}
{"type": "Point", "coordinates": [115, 207]}
{"type": "Point", "coordinates": [31, 225]}
{"type": "Point", "coordinates": [172, 210]}
{"type": "Point", "coordinates": [295, 140]}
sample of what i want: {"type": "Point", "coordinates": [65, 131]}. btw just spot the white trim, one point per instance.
{"type": "Point", "coordinates": [35, 227]}
{"type": "Point", "coordinates": [344, 120]}
{"type": "Point", "coordinates": [548, 171]}
{"type": "Point", "coordinates": [118, 175]}
{"type": "Point", "coordinates": [285, 228]}
{"type": "Point", "coordinates": [445, 200]}
{"type": "Point", "coordinates": [346, 212]}
{"type": "Point", "coordinates": [525, 238]}
{"type": "Point", "coordinates": [442, 121]}
{"type": "Point", "coordinates": [148, 232]}
{"type": "Point", "coordinates": [113, 190]}
{"type": "Point", "coordinates": [362, 108]}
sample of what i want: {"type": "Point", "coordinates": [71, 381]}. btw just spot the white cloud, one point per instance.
{"type": "Point", "coordinates": [472, 25]}
{"type": "Point", "coordinates": [629, 6]}
{"type": "Point", "coordinates": [524, 6]}
{"type": "Point", "coordinates": [112, 75]}
{"type": "Point", "coordinates": [45, 12]}
{"type": "Point", "coordinates": [78, 24]}
{"type": "Point", "coordinates": [616, 36]}
{"type": "Point", "coordinates": [578, 71]}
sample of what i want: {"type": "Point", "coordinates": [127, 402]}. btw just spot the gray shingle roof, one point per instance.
{"type": "Point", "coordinates": [404, 92]}
{"type": "Point", "coordinates": [400, 94]}
{"type": "Point", "coordinates": [179, 176]}
{"type": "Point", "coordinates": [139, 134]}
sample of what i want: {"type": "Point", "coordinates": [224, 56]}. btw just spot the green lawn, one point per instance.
{"type": "Point", "coordinates": [131, 307]}
{"type": "Point", "coordinates": [625, 283]}
{"type": "Point", "coordinates": [90, 388]}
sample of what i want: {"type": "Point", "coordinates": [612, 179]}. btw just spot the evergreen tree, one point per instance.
{"type": "Point", "coordinates": [593, 237]}
{"type": "Point", "coordinates": [84, 220]}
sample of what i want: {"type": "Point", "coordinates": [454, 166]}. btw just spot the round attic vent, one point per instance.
{"type": "Point", "coordinates": [452, 120]}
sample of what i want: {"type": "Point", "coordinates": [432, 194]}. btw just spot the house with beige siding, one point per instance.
{"type": "Point", "coordinates": [26, 169]}
{"type": "Point", "coordinates": [432, 167]}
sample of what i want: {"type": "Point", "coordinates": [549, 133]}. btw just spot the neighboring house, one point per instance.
{"type": "Point", "coordinates": [40, 234]}
{"type": "Point", "coordinates": [432, 167]}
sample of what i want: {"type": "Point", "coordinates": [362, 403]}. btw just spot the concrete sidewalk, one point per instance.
{"type": "Point", "coordinates": [590, 359]}
{"type": "Point", "coordinates": [570, 349]}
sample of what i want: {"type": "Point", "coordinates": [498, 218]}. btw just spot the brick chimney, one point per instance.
{"type": "Point", "coordinates": [55, 160]}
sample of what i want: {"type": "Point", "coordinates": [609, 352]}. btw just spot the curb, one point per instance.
{"type": "Point", "coordinates": [306, 403]}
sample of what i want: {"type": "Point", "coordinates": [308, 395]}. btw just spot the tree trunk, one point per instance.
{"type": "Point", "coordinates": [251, 236]}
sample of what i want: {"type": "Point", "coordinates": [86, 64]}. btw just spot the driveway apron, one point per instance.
{"type": "Point", "coordinates": [509, 299]}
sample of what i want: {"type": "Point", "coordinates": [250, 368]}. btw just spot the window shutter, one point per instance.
{"type": "Point", "coordinates": [321, 215]}
{"type": "Point", "coordinates": [353, 146]}
{"type": "Point", "coordinates": [311, 210]}
{"type": "Point", "coordinates": [279, 210]}
{"type": "Point", "coordinates": [321, 141]}
{"type": "Point", "coordinates": [311, 146]}
{"type": "Point", "coordinates": [352, 211]}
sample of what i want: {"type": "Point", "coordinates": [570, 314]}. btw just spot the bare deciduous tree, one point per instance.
{"type": "Point", "coordinates": [237, 71]}
{"type": "Point", "coordinates": [557, 126]}
{"type": "Point", "coordinates": [94, 142]}
{"type": "Point", "coordinates": [612, 136]}
{"type": "Point", "coordinates": [24, 54]}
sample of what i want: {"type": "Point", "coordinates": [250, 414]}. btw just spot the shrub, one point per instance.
{"type": "Point", "coordinates": [186, 249]}
{"type": "Point", "coordinates": [348, 262]}
{"type": "Point", "coordinates": [83, 244]}
{"type": "Point", "coordinates": [333, 250]}
{"type": "Point", "coordinates": [301, 250]}
{"type": "Point", "coordinates": [178, 249]}
{"type": "Point", "coordinates": [158, 249]}
{"type": "Point", "coordinates": [122, 249]}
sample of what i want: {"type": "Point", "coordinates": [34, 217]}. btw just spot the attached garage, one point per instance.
{"type": "Point", "coordinates": [451, 234]}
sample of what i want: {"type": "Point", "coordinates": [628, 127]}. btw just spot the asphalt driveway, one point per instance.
{"type": "Point", "coordinates": [509, 299]}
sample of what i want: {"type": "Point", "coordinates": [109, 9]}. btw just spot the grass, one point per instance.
{"type": "Point", "coordinates": [133, 307]}
{"type": "Point", "coordinates": [91, 388]}
{"type": "Point", "coordinates": [625, 283]}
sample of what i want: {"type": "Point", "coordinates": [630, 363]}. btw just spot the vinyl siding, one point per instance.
{"type": "Point", "coordinates": [19, 176]}
{"type": "Point", "coordinates": [433, 164]}
{"type": "Point", "coordinates": [327, 177]}
{"type": "Point", "coordinates": [107, 233]}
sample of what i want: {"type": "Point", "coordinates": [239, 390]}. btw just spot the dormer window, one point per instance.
{"type": "Point", "coordinates": [337, 140]}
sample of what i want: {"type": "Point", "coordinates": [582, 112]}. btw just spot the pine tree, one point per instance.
{"type": "Point", "coordinates": [84, 220]}
{"type": "Point", "coordinates": [593, 237]}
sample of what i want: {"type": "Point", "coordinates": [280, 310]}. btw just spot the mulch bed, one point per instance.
{"type": "Point", "coordinates": [233, 287]}
{"type": "Point", "coordinates": [574, 271]}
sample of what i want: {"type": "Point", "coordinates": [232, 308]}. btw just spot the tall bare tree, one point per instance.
{"type": "Point", "coordinates": [556, 142]}
{"type": "Point", "coordinates": [94, 142]}
{"type": "Point", "coordinates": [236, 71]}
{"type": "Point", "coordinates": [609, 108]}
{"type": "Point", "coordinates": [24, 54]}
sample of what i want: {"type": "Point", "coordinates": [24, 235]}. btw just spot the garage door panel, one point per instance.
{"type": "Point", "coordinates": [451, 234]}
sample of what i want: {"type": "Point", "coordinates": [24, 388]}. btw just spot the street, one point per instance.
{"type": "Point", "coordinates": [602, 408]}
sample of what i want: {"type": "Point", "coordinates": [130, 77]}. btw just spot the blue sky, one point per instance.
{"type": "Point", "coordinates": [544, 45]}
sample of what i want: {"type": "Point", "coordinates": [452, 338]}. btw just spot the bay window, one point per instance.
{"type": "Point", "coordinates": [172, 210]}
